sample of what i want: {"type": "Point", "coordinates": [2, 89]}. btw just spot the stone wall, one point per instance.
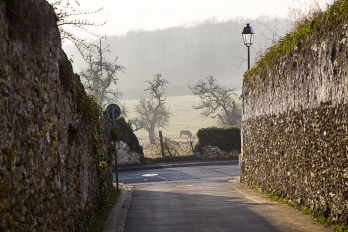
{"type": "Point", "coordinates": [52, 151]}
{"type": "Point", "coordinates": [294, 126]}
{"type": "Point", "coordinates": [213, 152]}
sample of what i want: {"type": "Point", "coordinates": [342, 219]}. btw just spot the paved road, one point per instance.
{"type": "Point", "coordinates": [202, 199]}
{"type": "Point", "coordinates": [211, 172]}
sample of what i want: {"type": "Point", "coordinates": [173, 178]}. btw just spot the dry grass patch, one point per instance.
{"type": "Point", "coordinates": [183, 117]}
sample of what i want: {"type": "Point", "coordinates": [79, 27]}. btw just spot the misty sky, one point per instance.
{"type": "Point", "coordinates": [125, 15]}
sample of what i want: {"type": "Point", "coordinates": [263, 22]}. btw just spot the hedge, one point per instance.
{"type": "Point", "coordinates": [226, 138]}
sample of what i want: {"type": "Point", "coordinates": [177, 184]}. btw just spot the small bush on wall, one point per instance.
{"type": "Point", "coordinates": [226, 138]}
{"type": "Point", "coordinates": [126, 134]}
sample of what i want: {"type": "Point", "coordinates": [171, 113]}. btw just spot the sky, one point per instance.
{"type": "Point", "coordinates": [122, 16]}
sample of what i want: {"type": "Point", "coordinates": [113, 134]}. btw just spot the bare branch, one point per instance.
{"type": "Point", "coordinates": [216, 99]}
{"type": "Point", "coordinates": [152, 112]}
{"type": "Point", "coordinates": [101, 74]}
{"type": "Point", "coordinates": [70, 19]}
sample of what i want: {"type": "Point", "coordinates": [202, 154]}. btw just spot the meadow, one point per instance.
{"type": "Point", "coordinates": [183, 117]}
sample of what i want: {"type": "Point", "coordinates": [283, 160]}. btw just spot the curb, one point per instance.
{"type": "Point", "coordinates": [117, 217]}
{"type": "Point", "coordinates": [173, 165]}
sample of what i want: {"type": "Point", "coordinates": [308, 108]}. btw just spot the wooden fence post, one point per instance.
{"type": "Point", "coordinates": [162, 145]}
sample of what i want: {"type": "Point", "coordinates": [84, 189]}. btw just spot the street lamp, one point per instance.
{"type": "Point", "coordinates": [248, 37]}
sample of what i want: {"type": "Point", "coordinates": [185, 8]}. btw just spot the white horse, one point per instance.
{"type": "Point", "coordinates": [174, 104]}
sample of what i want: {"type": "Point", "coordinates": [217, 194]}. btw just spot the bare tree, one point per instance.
{"type": "Point", "coordinates": [216, 101]}
{"type": "Point", "coordinates": [100, 75]}
{"type": "Point", "coordinates": [71, 19]}
{"type": "Point", "coordinates": [152, 112]}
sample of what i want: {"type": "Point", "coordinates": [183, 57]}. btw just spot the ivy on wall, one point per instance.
{"type": "Point", "coordinates": [88, 106]}
{"type": "Point", "coordinates": [335, 18]}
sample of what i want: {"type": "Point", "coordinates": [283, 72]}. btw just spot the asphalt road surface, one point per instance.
{"type": "Point", "coordinates": [206, 173]}
{"type": "Point", "coordinates": [205, 198]}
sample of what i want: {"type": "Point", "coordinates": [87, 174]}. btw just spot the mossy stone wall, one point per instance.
{"type": "Point", "coordinates": [295, 124]}
{"type": "Point", "coordinates": [55, 173]}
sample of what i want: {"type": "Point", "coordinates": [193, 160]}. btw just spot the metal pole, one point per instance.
{"type": "Point", "coordinates": [248, 57]}
{"type": "Point", "coordinates": [116, 168]}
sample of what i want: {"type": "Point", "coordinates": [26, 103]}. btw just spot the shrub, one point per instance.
{"type": "Point", "coordinates": [126, 134]}
{"type": "Point", "coordinates": [226, 138]}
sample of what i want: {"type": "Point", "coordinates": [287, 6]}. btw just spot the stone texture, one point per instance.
{"type": "Point", "coordinates": [125, 155]}
{"type": "Point", "coordinates": [212, 152]}
{"type": "Point", "coordinates": [49, 178]}
{"type": "Point", "coordinates": [294, 126]}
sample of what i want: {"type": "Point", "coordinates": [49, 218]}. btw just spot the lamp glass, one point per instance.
{"type": "Point", "coordinates": [248, 35]}
{"type": "Point", "coordinates": [248, 39]}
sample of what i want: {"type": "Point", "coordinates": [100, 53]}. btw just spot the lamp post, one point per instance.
{"type": "Point", "coordinates": [248, 37]}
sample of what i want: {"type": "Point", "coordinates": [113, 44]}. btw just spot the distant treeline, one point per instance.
{"type": "Point", "coordinates": [184, 55]}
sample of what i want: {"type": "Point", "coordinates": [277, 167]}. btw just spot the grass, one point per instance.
{"type": "Point", "coordinates": [305, 210]}
{"type": "Point", "coordinates": [100, 221]}
{"type": "Point", "coordinates": [183, 117]}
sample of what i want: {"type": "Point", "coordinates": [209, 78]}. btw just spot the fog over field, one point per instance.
{"type": "Point", "coordinates": [183, 117]}
{"type": "Point", "coordinates": [183, 55]}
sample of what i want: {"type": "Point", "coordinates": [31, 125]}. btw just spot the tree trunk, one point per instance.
{"type": "Point", "coordinates": [234, 114]}
{"type": "Point", "coordinates": [152, 135]}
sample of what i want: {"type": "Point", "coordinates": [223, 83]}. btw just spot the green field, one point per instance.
{"type": "Point", "coordinates": [183, 117]}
